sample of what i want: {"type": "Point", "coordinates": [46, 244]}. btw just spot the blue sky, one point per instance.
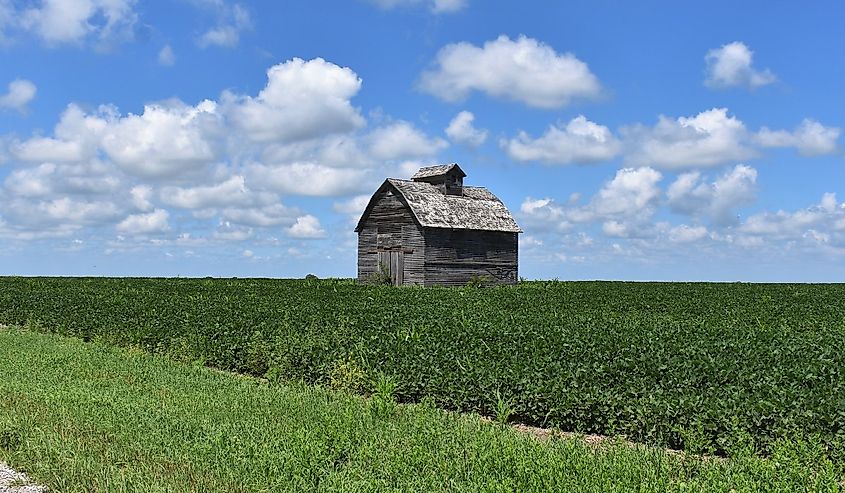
{"type": "Point", "coordinates": [649, 140]}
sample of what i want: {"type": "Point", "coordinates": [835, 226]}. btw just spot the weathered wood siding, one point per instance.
{"type": "Point", "coordinates": [390, 226]}
{"type": "Point", "coordinates": [453, 257]}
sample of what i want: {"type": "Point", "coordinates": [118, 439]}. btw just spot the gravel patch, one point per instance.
{"type": "Point", "coordinates": [12, 481]}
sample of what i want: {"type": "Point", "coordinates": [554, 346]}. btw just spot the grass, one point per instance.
{"type": "Point", "coordinates": [703, 367]}
{"type": "Point", "coordinates": [87, 417]}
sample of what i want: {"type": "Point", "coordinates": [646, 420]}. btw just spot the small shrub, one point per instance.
{"type": "Point", "coordinates": [477, 281]}
{"type": "Point", "coordinates": [348, 376]}
{"type": "Point", "coordinates": [311, 277]}
{"type": "Point", "coordinates": [380, 277]}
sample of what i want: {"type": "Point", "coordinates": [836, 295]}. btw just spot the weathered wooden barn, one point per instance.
{"type": "Point", "coordinates": [433, 230]}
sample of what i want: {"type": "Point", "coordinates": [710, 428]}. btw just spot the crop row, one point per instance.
{"type": "Point", "coordinates": [706, 367]}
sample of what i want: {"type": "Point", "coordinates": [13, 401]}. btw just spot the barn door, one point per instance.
{"type": "Point", "coordinates": [393, 261]}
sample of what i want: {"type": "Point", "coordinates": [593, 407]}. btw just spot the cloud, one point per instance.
{"type": "Point", "coordinates": [60, 212]}
{"type": "Point", "coordinates": [624, 205]}
{"type": "Point", "coordinates": [828, 214]}
{"type": "Point", "coordinates": [523, 70]}
{"type": "Point", "coordinates": [306, 227]}
{"type": "Point", "coordinates": [436, 6]}
{"type": "Point", "coordinates": [717, 201]}
{"type": "Point", "coordinates": [629, 193]}
{"type": "Point", "coordinates": [687, 234]}
{"type": "Point", "coordinates": [140, 197]}
{"type": "Point", "coordinates": [731, 66]}
{"type": "Point", "coordinates": [147, 223]}
{"type": "Point", "coordinates": [20, 93]}
{"type": "Point", "coordinates": [710, 138]}
{"type": "Point", "coordinates": [579, 141]}
{"type": "Point", "coordinates": [462, 131]}
{"type": "Point", "coordinates": [230, 193]}
{"type": "Point", "coordinates": [76, 138]}
{"type": "Point", "coordinates": [232, 21]}
{"type": "Point", "coordinates": [166, 57]}
{"type": "Point", "coordinates": [102, 168]}
{"type": "Point", "coordinates": [308, 179]}
{"type": "Point", "coordinates": [49, 179]}
{"type": "Point", "coordinates": [353, 207]}
{"type": "Point", "coordinates": [262, 216]}
{"type": "Point", "coordinates": [61, 21]}
{"type": "Point", "coordinates": [164, 141]}
{"type": "Point", "coordinates": [400, 140]}
{"type": "Point", "coordinates": [302, 100]}
{"type": "Point", "coordinates": [7, 16]}
{"type": "Point", "coordinates": [811, 138]}
{"type": "Point", "coordinates": [448, 6]}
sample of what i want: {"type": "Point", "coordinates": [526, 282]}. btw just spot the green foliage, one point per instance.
{"type": "Point", "coordinates": [382, 402]}
{"type": "Point", "coordinates": [92, 417]}
{"type": "Point", "coordinates": [311, 277]}
{"type": "Point", "coordinates": [348, 376]}
{"type": "Point", "coordinates": [10, 440]}
{"type": "Point", "coordinates": [480, 281]}
{"type": "Point", "coordinates": [503, 409]}
{"type": "Point", "coordinates": [724, 368]}
{"type": "Point", "coordinates": [380, 278]}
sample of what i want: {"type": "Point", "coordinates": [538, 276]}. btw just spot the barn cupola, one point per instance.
{"type": "Point", "coordinates": [449, 178]}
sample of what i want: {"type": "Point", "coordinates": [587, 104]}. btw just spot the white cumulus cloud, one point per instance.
{"type": "Point", "coordinates": [306, 227]}
{"type": "Point", "coordinates": [690, 194]}
{"type": "Point", "coordinates": [20, 92]}
{"type": "Point", "coordinates": [524, 70]}
{"type": "Point", "coordinates": [710, 138]}
{"type": "Point", "coordinates": [230, 193]}
{"type": "Point", "coordinates": [579, 141]}
{"type": "Point", "coordinates": [401, 140]}
{"type": "Point", "coordinates": [302, 100]}
{"type": "Point", "coordinates": [308, 179]}
{"type": "Point", "coordinates": [687, 234]}
{"type": "Point", "coordinates": [74, 21]}
{"type": "Point", "coordinates": [462, 131]}
{"type": "Point", "coordinates": [163, 141]}
{"type": "Point", "coordinates": [811, 138]}
{"type": "Point", "coordinates": [732, 66]}
{"type": "Point", "coordinates": [146, 223]}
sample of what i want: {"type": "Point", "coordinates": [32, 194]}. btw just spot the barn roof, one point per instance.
{"type": "Point", "coordinates": [438, 170]}
{"type": "Point", "coordinates": [476, 209]}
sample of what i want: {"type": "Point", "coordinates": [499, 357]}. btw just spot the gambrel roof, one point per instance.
{"type": "Point", "coordinates": [477, 208]}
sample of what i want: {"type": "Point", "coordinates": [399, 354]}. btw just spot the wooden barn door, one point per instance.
{"type": "Point", "coordinates": [394, 262]}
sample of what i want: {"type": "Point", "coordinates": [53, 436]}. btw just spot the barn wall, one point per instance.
{"type": "Point", "coordinates": [453, 257]}
{"type": "Point", "coordinates": [391, 225]}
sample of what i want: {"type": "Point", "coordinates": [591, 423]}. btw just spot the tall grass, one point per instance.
{"type": "Point", "coordinates": [88, 417]}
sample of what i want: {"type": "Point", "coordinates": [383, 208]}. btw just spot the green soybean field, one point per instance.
{"type": "Point", "coordinates": [712, 368]}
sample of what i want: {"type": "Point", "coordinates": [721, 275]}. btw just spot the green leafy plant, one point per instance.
{"type": "Point", "coordinates": [503, 409]}
{"type": "Point", "coordinates": [724, 367]}
{"type": "Point", "coordinates": [480, 281]}
{"type": "Point", "coordinates": [381, 277]}
{"type": "Point", "coordinates": [383, 402]}
{"type": "Point", "coordinates": [348, 376]}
